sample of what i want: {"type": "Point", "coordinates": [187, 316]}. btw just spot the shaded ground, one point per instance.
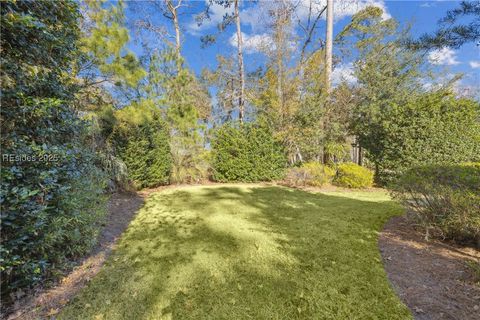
{"type": "Point", "coordinates": [245, 252]}
{"type": "Point", "coordinates": [430, 277]}
{"type": "Point", "coordinates": [47, 303]}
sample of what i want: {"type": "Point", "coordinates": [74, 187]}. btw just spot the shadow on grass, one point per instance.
{"type": "Point", "coordinates": [246, 253]}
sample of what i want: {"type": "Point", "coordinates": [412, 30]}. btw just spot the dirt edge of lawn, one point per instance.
{"type": "Point", "coordinates": [432, 278]}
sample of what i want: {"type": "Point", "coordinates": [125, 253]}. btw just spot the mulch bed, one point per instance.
{"type": "Point", "coordinates": [432, 278]}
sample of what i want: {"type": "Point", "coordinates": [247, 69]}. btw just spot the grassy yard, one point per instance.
{"type": "Point", "coordinates": [244, 252]}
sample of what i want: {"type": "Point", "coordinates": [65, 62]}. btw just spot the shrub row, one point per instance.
{"type": "Point", "coordinates": [431, 128]}
{"type": "Point", "coordinates": [444, 199]}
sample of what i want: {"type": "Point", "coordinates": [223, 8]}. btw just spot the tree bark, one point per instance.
{"type": "Point", "coordinates": [329, 46]}
{"type": "Point", "coordinates": [241, 72]}
{"type": "Point", "coordinates": [173, 10]}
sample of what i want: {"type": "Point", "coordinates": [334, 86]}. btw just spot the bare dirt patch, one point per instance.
{"type": "Point", "coordinates": [431, 278]}
{"type": "Point", "coordinates": [45, 303]}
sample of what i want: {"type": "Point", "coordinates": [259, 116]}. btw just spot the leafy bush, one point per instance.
{"type": "Point", "coordinates": [428, 129]}
{"type": "Point", "coordinates": [51, 189]}
{"type": "Point", "coordinates": [319, 174]}
{"type": "Point", "coordinates": [247, 153]}
{"type": "Point", "coordinates": [445, 199]}
{"type": "Point", "coordinates": [351, 175]}
{"type": "Point", "coordinates": [141, 140]}
{"type": "Point", "coordinates": [311, 173]}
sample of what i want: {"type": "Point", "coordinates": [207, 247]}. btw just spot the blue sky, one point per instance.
{"type": "Point", "coordinates": [422, 14]}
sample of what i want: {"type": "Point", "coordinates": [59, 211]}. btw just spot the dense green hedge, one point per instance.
{"type": "Point", "coordinates": [429, 129]}
{"type": "Point", "coordinates": [246, 153]}
{"type": "Point", "coordinates": [351, 175]}
{"type": "Point", "coordinates": [51, 189]}
{"type": "Point", "coordinates": [445, 199]}
{"type": "Point", "coordinates": [141, 140]}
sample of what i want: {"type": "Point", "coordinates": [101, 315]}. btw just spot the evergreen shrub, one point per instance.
{"type": "Point", "coordinates": [247, 153]}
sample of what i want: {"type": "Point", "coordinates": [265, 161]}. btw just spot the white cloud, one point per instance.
{"type": "Point", "coordinates": [475, 64]}
{"type": "Point", "coordinates": [256, 16]}
{"type": "Point", "coordinates": [216, 12]}
{"type": "Point", "coordinates": [341, 9]}
{"type": "Point", "coordinates": [427, 5]}
{"type": "Point", "coordinates": [253, 43]}
{"type": "Point", "coordinates": [343, 72]}
{"type": "Point", "coordinates": [444, 56]}
{"type": "Point", "coordinates": [461, 87]}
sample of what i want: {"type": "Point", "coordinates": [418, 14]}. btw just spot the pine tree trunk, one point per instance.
{"type": "Point", "coordinates": [176, 25]}
{"type": "Point", "coordinates": [241, 75]}
{"type": "Point", "coordinates": [329, 46]}
{"type": "Point", "coordinates": [328, 67]}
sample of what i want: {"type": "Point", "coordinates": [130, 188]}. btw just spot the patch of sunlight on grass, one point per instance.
{"type": "Point", "coordinates": [374, 196]}
{"type": "Point", "coordinates": [247, 252]}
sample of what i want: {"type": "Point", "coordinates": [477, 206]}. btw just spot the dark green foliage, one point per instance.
{"type": "Point", "coordinates": [351, 175]}
{"type": "Point", "coordinates": [397, 123]}
{"type": "Point", "coordinates": [432, 128]}
{"type": "Point", "coordinates": [52, 205]}
{"type": "Point", "coordinates": [247, 153]}
{"type": "Point", "coordinates": [51, 194]}
{"type": "Point", "coordinates": [142, 142]}
{"type": "Point", "coordinates": [444, 198]}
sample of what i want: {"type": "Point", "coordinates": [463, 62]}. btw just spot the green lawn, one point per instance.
{"type": "Point", "coordinates": [245, 252]}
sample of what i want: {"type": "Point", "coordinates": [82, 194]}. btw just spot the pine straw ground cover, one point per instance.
{"type": "Point", "coordinates": [247, 252]}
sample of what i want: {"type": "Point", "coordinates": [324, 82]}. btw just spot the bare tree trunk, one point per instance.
{"type": "Point", "coordinates": [280, 72]}
{"type": "Point", "coordinates": [241, 100]}
{"type": "Point", "coordinates": [328, 71]}
{"type": "Point", "coordinates": [329, 46]}
{"type": "Point", "coordinates": [173, 11]}
{"type": "Point", "coordinates": [360, 155]}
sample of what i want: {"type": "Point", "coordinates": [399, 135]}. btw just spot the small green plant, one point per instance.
{"type": "Point", "coordinates": [444, 199]}
{"type": "Point", "coordinates": [474, 266]}
{"type": "Point", "coordinates": [351, 175]}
